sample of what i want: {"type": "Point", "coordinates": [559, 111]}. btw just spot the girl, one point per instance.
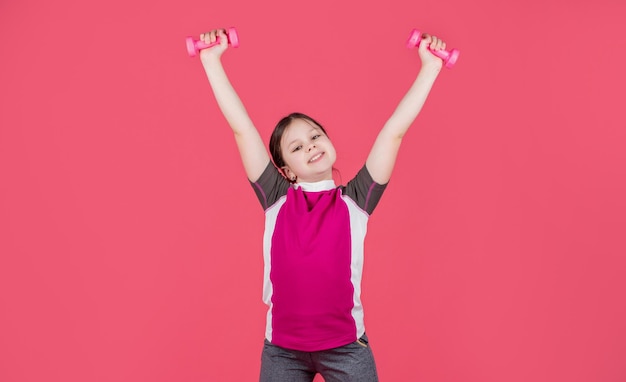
{"type": "Point", "coordinates": [314, 230]}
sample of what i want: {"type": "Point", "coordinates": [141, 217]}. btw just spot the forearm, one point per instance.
{"type": "Point", "coordinates": [227, 99]}
{"type": "Point", "coordinates": [249, 142]}
{"type": "Point", "coordinates": [382, 157]}
{"type": "Point", "coordinates": [412, 103]}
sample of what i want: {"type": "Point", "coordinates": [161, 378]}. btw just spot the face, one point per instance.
{"type": "Point", "coordinates": [308, 153]}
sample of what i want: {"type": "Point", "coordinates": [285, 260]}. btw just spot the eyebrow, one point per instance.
{"type": "Point", "coordinates": [295, 140]}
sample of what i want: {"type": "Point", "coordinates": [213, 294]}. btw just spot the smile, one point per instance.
{"type": "Point", "coordinates": [316, 158]}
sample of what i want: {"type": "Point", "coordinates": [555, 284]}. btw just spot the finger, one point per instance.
{"type": "Point", "coordinates": [433, 43]}
{"type": "Point", "coordinates": [223, 37]}
{"type": "Point", "coordinates": [439, 44]}
{"type": "Point", "coordinates": [425, 43]}
{"type": "Point", "coordinates": [206, 37]}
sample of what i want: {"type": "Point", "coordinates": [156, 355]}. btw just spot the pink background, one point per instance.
{"type": "Point", "coordinates": [130, 240]}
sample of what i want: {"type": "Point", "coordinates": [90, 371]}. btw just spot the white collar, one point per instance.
{"type": "Point", "coordinates": [322, 185]}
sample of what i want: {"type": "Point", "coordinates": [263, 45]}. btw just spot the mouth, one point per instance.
{"type": "Point", "coordinates": [316, 157]}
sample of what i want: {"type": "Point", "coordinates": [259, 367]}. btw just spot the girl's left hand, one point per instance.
{"type": "Point", "coordinates": [427, 44]}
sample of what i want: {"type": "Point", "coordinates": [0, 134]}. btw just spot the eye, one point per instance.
{"type": "Point", "coordinates": [296, 148]}
{"type": "Point", "coordinates": [316, 136]}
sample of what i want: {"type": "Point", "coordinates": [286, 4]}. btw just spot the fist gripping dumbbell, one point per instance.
{"type": "Point", "coordinates": [194, 46]}
{"type": "Point", "coordinates": [448, 57]}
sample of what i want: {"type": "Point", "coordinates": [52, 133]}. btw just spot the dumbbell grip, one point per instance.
{"type": "Point", "coordinates": [443, 54]}
{"type": "Point", "coordinates": [448, 57]}
{"type": "Point", "coordinates": [202, 45]}
{"type": "Point", "coordinates": [195, 46]}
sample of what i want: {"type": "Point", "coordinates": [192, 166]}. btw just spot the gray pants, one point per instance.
{"type": "Point", "coordinates": [352, 362]}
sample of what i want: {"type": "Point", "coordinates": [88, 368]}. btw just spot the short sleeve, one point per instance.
{"type": "Point", "coordinates": [270, 186]}
{"type": "Point", "coordinates": [364, 191]}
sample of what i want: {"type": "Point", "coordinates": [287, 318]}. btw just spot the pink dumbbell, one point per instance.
{"type": "Point", "coordinates": [448, 57]}
{"type": "Point", "coordinates": [193, 46]}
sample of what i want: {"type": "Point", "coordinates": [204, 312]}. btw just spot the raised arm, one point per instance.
{"type": "Point", "coordinates": [251, 147]}
{"type": "Point", "coordinates": [382, 157]}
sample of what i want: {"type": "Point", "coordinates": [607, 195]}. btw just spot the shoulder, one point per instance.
{"type": "Point", "coordinates": [270, 186]}
{"type": "Point", "coordinates": [364, 191]}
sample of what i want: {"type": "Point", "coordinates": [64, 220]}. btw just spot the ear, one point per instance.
{"type": "Point", "coordinates": [289, 174]}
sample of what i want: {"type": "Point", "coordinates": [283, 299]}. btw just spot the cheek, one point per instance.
{"type": "Point", "coordinates": [287, 157]}
{"type": "Point", "coordinates": [331, 148]}
{"type": "Point", "coordinates": [290, 159]}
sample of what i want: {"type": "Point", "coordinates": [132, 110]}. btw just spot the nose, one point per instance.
{"type": "Point", "coordinates": [311, 146]}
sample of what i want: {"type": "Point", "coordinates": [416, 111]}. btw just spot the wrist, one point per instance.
{"type": "Point", "coordinates": [431, 67]}
{"type": "Point", "coordinates": [430, 70]}
{"type": "Point", "coordinates": [211, 60]}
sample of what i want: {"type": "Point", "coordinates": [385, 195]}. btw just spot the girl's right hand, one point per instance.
{"type": "Point", "coordinates": [216, 51]}
{"type": "Point", "coordinates": [428, 45]}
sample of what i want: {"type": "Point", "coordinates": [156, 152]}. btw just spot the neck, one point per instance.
{"type": "Point", "coordinates": [317, 177]}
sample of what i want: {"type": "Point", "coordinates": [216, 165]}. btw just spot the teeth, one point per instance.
{"type": "Point", "coordinates": [315, 157]}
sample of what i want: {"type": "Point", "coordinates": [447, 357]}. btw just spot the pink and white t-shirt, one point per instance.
{"type": "Point", "coordinates": [313, 255]}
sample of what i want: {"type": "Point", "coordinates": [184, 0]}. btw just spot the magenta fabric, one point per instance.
{"type": "Point", "coordinates": [311, 254]}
